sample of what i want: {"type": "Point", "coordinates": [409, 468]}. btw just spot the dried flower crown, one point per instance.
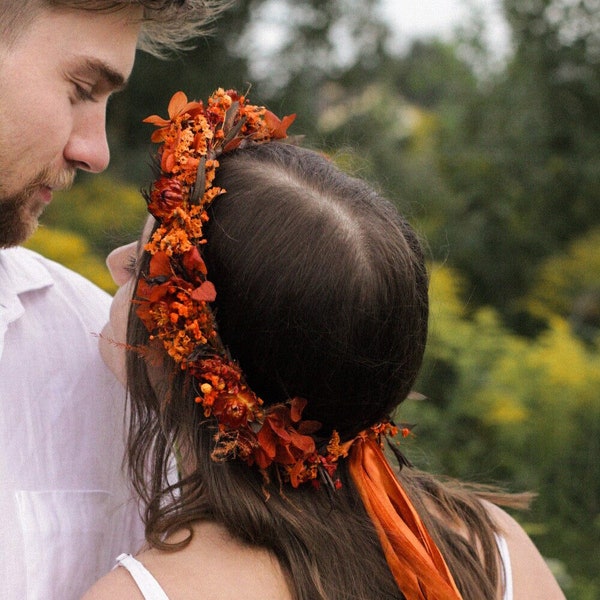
{"type": "Point", "coordinates": [174, 296]}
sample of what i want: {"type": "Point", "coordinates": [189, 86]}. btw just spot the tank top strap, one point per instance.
{"type": "Point", "coordinates": [149, 587]}
{"type": "Point", "coordinates": [507, 568]}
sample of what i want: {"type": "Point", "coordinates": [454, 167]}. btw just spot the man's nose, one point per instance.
{"type": "Point", "coordinates": [87, 147]}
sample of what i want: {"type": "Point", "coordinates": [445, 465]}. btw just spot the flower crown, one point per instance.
{"type": "Point", "coordinates": [173, 298]}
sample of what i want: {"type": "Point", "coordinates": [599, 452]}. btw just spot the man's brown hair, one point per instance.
{"type": "Point", "coordinates": [167, 25]}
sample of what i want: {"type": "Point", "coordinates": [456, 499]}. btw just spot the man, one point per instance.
{"type": "Point", "coordinates": [65, 509]}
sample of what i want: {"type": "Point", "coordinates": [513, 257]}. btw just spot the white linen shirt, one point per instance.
{"type": "Point", "coordinates": [65, 508]}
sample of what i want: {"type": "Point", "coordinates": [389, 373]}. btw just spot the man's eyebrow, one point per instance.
{"type": "Point", "coordinates": [104, 73]}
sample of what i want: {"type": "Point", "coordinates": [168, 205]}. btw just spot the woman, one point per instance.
{"type": "Point", "coordinates": [279, 317]}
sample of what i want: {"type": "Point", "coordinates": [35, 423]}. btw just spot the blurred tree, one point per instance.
{"type": "Point", "coordinates": [394, 120]}
{"type": "Point", "coordinates": [432, 75]}
{"type": "Point", "coordinates": [327, 43]}
{"type": "Point", "coordinates": [522, 162]}
{"type": "Point", "coordinates": [568, 284]}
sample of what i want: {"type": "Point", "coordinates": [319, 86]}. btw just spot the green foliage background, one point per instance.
{"type": "Point", "coordinates": [497, 166]}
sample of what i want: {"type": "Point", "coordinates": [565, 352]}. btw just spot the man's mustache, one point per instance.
{"type": "Point", "coordinates": [55, 180]}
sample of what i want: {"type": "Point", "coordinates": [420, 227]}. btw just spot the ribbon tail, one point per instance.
{"type": "Point", "coordinates": [413, 557]}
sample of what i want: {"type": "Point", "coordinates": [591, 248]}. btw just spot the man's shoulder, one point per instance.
{"type": "Point", "coordinates": [34, 270]}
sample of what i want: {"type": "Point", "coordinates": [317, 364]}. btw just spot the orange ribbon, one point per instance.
{"type": "Point", "coordinates": [414, 560]}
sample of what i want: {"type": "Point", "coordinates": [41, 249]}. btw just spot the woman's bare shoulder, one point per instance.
{"type": "Point", "coordinates": [222, 567]}
{"type": "Point", "coordinates": [532, 578]}
{"type": "Point", "coordinates": [116, 585]}
{"type": "Point", "coordinates": [213, 565]}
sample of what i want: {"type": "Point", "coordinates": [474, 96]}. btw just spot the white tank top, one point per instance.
{"type": "Point", "coordinates": [505, 557]}
{"type": "Point", "coordinates": [149, 587]}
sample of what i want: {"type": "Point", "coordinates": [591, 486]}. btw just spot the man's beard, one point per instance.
{"type": "Point", "coordinates": [19, 212]}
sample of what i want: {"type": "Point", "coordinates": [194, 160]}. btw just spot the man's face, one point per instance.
{"type": "Point", "coordinates": [55, 82]}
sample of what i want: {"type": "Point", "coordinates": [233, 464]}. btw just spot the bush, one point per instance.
{"type": "Point", "coordinates": [521, 413]}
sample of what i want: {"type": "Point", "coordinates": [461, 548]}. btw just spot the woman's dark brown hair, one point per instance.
{"type": "Point", "coordinates": [322, 294]}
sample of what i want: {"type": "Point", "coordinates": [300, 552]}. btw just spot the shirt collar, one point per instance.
{"type": "Point", "coordinates": [21, 271]}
